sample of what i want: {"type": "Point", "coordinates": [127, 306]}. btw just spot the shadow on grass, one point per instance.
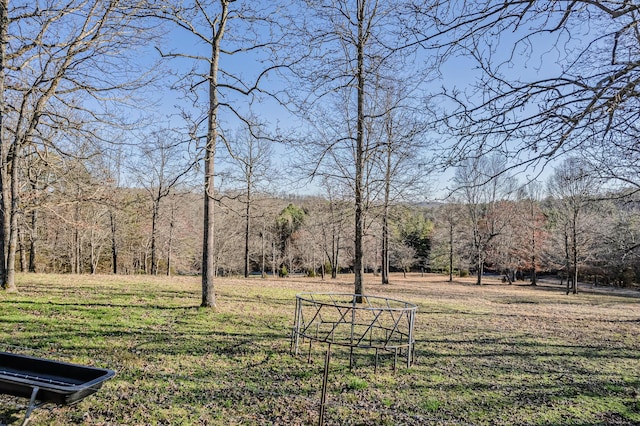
{"type": "Point", "coordinates": [12, 410]}
{"type": "Point", "coordinates": [101, 304]}
{"type": "Point", "coordinates": [491, 347]}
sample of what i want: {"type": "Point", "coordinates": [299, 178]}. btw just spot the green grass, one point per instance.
{"type": "Point", "coordinates": [496, 355]}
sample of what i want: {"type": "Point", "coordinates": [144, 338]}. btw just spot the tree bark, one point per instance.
{"type": "Point", "coordinates": [77, 253]}
{"type": "Point", "coordinates": [23, 249]}
{"type": "Point", "coordinates": [114, 246]}
{"type": "Point", "coordinates": [262, 252]}
{"type": "Point", "coordinates": [247, 225]}
{"type": "Point", "coordinates": [335, 259]}
{"type": "Point", "coordinates": [479, 265]}
{"type": "Point", "coordinates": [385, 247]}
{"type": "Point", "coordinates": [154, 233]}
{"type": "Point", "coordinates": [385, 217]}
{"type": "Point", "coordinates": [93, 259]}
{"type": "Point", "coordinates": [33, 242]}
{"type": "Point", "coordinates": [208, 259]}
{"type": "Point", "coordinates": [534, 224]}
{"type": "Point", "coordinates": [574, 252]}
{"type": "Point", "coordinates": [10, 283]}
{"type": "Point", "coordinates": [450, 251]}
{"type": "Point", "coordinates": [4, 199]}
{"type": "Point", "coordinates": [534, 278]}
{"type": "Point", "coordinates": [170, 241]}
{"type": "Point", "coordinates": [358, 265]}
{"type": "Point", "coordinates": [567, 260]}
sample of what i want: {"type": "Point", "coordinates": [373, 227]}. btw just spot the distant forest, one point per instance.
{"type": "Point", "coordinates": [565, 227]}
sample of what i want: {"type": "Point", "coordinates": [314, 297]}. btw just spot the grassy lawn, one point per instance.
{"type": "Point", "coordinates": [496, 355]}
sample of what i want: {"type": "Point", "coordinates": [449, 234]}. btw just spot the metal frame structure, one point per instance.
{"type": "Point", "coordinates": [378, 323]}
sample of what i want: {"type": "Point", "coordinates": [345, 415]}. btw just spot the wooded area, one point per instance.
{"type": "Point", "coordinates": [128, 129]}
{"type": "Point", "coordinates": [121, 230]}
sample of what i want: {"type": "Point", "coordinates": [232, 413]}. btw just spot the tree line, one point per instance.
{"type": "Point", "coordinates": [570, 226]}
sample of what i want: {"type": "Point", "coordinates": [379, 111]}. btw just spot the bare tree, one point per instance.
{"type": "Point", "coordinates": [113, 160]}
{"type": "Point", "coordinates": [160, 168]}
{"type": "Point", "coordinates": [225, 28]}
{"type": "Point", "coordinates": [335, 214]}
{"type": "Point", "coordinates": [533, 244]}
{"type": "Point", "coordinates": [549, 77]}
{"type": "Point", "coordinates": [404, 257]}
{"type": "Point", "coordinates": [482, 186]}
{"type": "Point", "coordinates": [348, 47]}
{"type": "Point", "coordinates": [403, 169]}
{"type": "Point", "coordinates": [446, 246]}
{"type": "Point", "coordinates": [39, 175]}
{"type": "Point", "coordinates": [4, 194]}
{"type": "Point", "coordinates": [617, 232]}
{"type": "Point", "coordinates": [250, 167]}
{"type": "Point", "coordinates": [56, 58]}
{"type": "Point", "coordinates": [574, 187]}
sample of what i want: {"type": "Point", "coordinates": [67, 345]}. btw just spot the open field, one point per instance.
{"type": "Point", "coordinates": [490, 355]}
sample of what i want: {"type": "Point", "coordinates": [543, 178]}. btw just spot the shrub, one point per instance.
{"type": "Point", "coordinates": [356, 383]}
{"type": "Point", "coordinates": [283, 271]}
{"type": "Point", "coordinates": [327, 268]}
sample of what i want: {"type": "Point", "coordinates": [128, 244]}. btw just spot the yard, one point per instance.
{"type": "Point", "coordinates": [490, 355]}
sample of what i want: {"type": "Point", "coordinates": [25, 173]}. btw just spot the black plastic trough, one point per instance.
{"type": "Point", "coordinates": [48, 381]}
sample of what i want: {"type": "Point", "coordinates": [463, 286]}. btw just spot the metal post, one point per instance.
{"type": "Point", "coordinates": [411, 348]}
{"type": "Point", "coordinates": [375, 365]}
{"type": "Point", "coordinates": [325, 380]}
{"type": "Point", "coordinates": [353, 317]}
{"type": "Point", "coordinates": [395, 360]}
{"type": "Point", "coordinates": [295, 339]}
{"type": "Point", "coordinates": [351, 358]}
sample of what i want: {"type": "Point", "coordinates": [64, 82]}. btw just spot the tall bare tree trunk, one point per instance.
{"type": "Point", "coordinates": [574, 252]}
{"type": "Point", "coordinates": [567, 259]}
{"type": "Point", "coordinates": [208, 260]}
{"type": "Point", "coordinates": [10, 283]}
{"type": "Point", "coordinates": [479, 273]}
{"type": "Point", "coordinates": [93, 261]}
{"type": "Point", "coordinates": [479, 265]}
{"type": "Point", "coordinates": [76, 240]}
{"type": "Point", "coordinates": [4, 199]}
{"type": "Point", "coordinates": [385, 215]}
{"type": "Point", "coordinates": [534, 278]}
{"type": "Point", "coordinates": [154, 234]}
{"type": "Point", "coordinates": [359, 172]}
{"type": "Point", "coordinates": [273, 258]}
{"type": "Point", "coordinates": [247, 224]}
{"type": "Point", "coordinates": [114, 246]}
{"type": "Point", "coordinates": [262, 254]}
{"type": "Point", "coordinates": [33, 241]}
{"type": "Point", "coordinates": [170, 242]}
{"type": "Point", "coordinates": [335, 253]}
{"type": "Point", "coordinates": [385, 246]}
{"type": "Point", "coordinates": [450, 251]}
{"type": "Point", "coordinates": [23, 249]}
